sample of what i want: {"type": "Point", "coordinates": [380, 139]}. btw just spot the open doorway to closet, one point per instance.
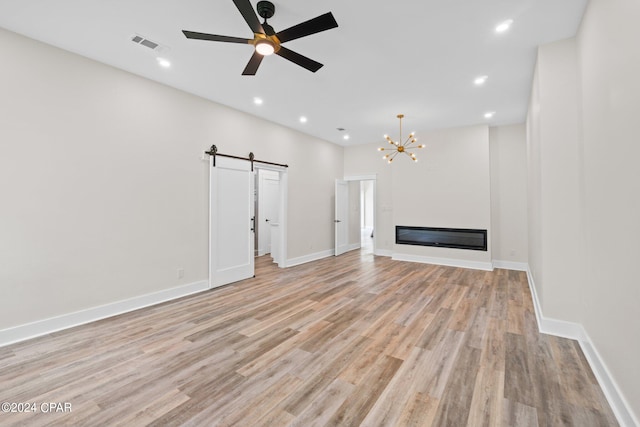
{"type": "Point", "coordinates": [267, 205]}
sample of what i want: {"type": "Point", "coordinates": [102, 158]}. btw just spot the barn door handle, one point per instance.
{"type": "Point", "coordinates": [336, 220]}
{"type": "Point", "coordinates": [253, 224]}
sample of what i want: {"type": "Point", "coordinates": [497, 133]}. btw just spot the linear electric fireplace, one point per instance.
{"type": "Point", "coordinates": [459, 238]}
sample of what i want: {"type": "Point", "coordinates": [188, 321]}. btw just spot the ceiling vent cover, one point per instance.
{"type": "Point", "coordinates": [143, 41]}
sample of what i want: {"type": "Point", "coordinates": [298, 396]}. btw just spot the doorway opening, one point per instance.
{"type": "Point", "coordinates": [367, 214]}
{"type": "Point", "coordinates": [355, 214]}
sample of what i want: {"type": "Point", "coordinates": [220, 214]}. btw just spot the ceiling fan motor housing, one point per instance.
{"type": "Point", "coordinates": [266, 9]}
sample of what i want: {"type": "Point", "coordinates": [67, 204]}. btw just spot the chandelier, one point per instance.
{"type": "Point", "coordinates": [400, 147]}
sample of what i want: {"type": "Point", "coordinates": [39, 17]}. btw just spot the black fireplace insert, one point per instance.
{"type": "Point", "coordinates": [458, 238]}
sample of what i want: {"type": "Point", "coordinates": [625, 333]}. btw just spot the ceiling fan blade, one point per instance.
{"type": "Point", "coordinates": [312, 26]}
{"type": "Point", "coordinates": [301, 60]}
{"type": "Point", "coordinates": [246, 10]}
{"type": "Point", "coordinates": [252, 66]}
{"type": "Point", "coordinates": [213, 37]}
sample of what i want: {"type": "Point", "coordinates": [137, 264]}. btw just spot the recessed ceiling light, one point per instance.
{"type": "Point", "coordinates": [163, 62]}
{"type": "Point", "coordinates": [303, 119]}
{"type": "Point", "coordinates": [257, 101]}
{"type": "Point", "coordinates": [480, 80]}
{"type": "Point", "coordinates": [489, 114]}
{"type": "Point", "coordinates": [504, 26]}
{"type": "Point", "coordinates": [345, 137]}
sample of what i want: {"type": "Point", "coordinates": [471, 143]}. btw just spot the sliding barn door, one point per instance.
{"type": "Point", "coordinates": [231, 221]}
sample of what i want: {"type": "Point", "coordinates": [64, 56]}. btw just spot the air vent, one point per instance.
{"type": "Point", "coordinates": [149, 44]}
{"type": "Point", "coordinates": [143, 41]}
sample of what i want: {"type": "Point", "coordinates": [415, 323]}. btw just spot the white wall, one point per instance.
{"type": "Point", "coordinates": [509, 195]}
{"type": "Point", "coordinates": [104, 193]}
{"type": "Point", "coordinates": [609, 64]}
{"type": "Point", "coordinates": [584, 191]}
{"type": "Point", "coordinates": [448, 187]}
{"type": "Point", "coordinates": [558, 167]}
{"type": "Point", "coordinates": [534, 188]}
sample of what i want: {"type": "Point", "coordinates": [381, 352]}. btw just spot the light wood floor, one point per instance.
{"type": "Point", "coordinates": [347, 341]}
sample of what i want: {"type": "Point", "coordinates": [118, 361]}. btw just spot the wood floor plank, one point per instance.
{"type": "Point", "coordinates": [321, 409]}
{"type": "Point", "coordinates": [419, 411]}
{"type": "Point", "coordinates": [359, 402]}
{"type": "Point", "coordinates": [343, 341]}
{"type": "Point", "coordinates": [455, 403]}
{"type": "Point", "coordinates": [488, 396]}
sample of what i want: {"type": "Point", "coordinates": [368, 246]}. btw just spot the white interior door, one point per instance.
{"type": "Point", "coordinates": [341, 220]}
{"type": "Point", "coordinates": [231, 221]}
{"type": "Point", "coordinates": [269, 198]}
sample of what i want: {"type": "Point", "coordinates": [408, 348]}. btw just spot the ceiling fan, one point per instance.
{"type": "Point", "coordinates": [266, 41]}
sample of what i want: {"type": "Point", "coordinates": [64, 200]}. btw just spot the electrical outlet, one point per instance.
{"type": "Point", "coordinates": [180, 273]}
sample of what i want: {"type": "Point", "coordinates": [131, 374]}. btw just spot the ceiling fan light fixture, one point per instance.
{"type": "Point", "coordinates": [265, 47]}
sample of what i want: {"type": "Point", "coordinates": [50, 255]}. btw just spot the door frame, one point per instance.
{"type": "Point", "coordinates": [374, 178]}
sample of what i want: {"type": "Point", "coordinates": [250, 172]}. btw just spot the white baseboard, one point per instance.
{"type": "Point", "coordinates": [476, 265]}
{"type": "Point", "coordinates": [510, 265]}
{"type": "Point", "coordinates": [383, 252]}
{"type": "Point", "coordinates": [353, 247]}
{"type": "Point", "coordinates": [576, 331]}
{"type": "Point", "coordinates": [65, 321]}
{"type": "Point", "coordinates": [619, 404]}
{"type": "Point", "coordinates": [292, 262]}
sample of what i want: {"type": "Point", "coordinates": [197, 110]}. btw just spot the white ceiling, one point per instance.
{"type": "Point", "coordinates": [418, 58]}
